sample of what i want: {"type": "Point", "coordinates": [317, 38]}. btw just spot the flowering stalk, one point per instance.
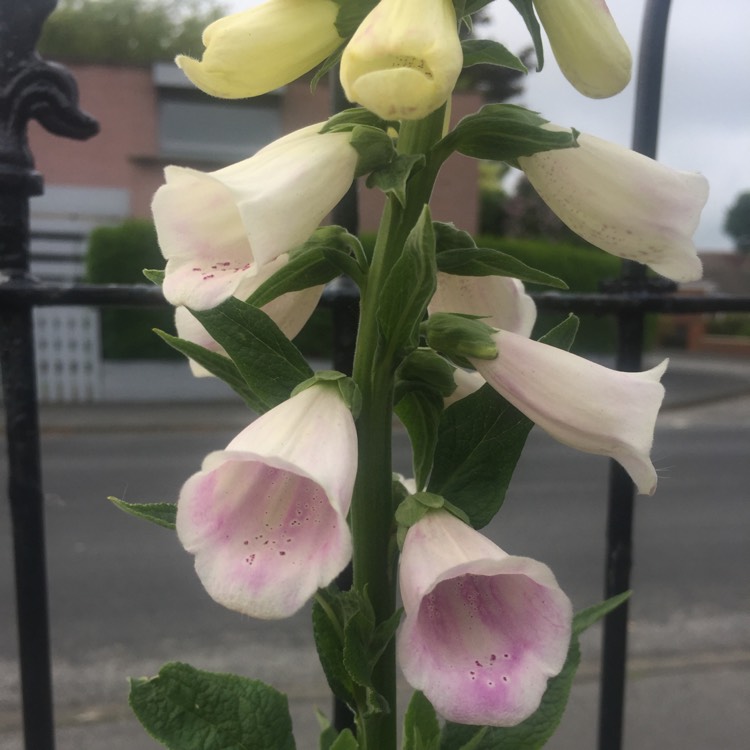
{"type": "Point", "coordinates": [371, 511]}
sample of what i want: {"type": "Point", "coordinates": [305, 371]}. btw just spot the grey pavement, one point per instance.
{"type": "Point", "coordinates": [165, 396]}
{"type": "Point", "coordinates": [694, 691]}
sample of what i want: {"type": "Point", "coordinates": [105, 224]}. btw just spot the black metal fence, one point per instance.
{"type": "Point", "coordinates": [31, 88]}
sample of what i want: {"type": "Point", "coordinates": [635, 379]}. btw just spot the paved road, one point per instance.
{"type": "Point", "coordinates": [124, 598]}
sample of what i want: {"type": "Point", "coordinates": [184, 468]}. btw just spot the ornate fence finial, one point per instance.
{"type": "Point", "coordinates": [31, 88]}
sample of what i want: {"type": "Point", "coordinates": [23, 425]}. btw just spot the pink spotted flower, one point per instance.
{"type": "Point", "coordinates": [266, 517]}
{"type": "Point", "coordinates": [483, 630]}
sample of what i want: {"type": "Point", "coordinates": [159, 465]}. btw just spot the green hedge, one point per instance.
{"type": "Point", "coordinates": [582, 268]}
{"type": "Point", "coordinates": [118, 255]}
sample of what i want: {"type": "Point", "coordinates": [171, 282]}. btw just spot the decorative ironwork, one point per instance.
{"type": "Point", "coordinates": [30, 88]}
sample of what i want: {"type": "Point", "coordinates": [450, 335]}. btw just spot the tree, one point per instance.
{"type": "Point", "coordinates": [131, 32]}
{"type": "Point", "coordinates": [737, 222]}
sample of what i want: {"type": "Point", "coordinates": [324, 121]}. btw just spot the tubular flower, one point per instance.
{"type": "Point", "coordinates": [623, 202]}
{"type": "Point", "coordinates": [484, 630]}
{"type": "Point", "coordinates": [290, 312]}
{"type": "Point", "coordinates": [256, 51]}
{"type": "Point", "coordinates": [266, 517]}
{"type": "Point", "coordinates": [587, 45]}
{"type": "Point", "coordinates": [501, 301]}
{"type": "Point", "coordinates": [581, 403]}
{"type": "Point", "coordinates": [217, 229]}
{"type": "Point", "coordinates": [404, 59]}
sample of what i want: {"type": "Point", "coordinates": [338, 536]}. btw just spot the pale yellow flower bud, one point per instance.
{"type": "Point", "coordinates": [404, 59]}
{"type": "Point", "coordinates": [256, 51]}
{"type": "Point", "coordinates": [587, 45]}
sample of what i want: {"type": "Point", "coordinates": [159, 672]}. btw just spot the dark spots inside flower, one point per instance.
{"type": "Point", "coordinates": [478, 663]}
{"type": "Point", "coordinates": [493, 657]}
{"type": "Point", "coordinates": [490, 683]}
{"type": "Point", "coordinates": [505, 678]}
{"type": "Point", "coordinates": [506, 656]}
{"type": "Point", "coordinates": [207, 276]}
{"type": "Point", "coordinates": [247, 541]}
{"type": "Point", "coordinates": [281, 552]}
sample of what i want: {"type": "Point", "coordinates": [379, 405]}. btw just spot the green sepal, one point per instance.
{"type": "Point", "coordinates": [424, 368]}
{"type": "Point", "coordinates": [471, 6]}
{"type": "Point", "coordinates": [348, 119]}
{"type": "Point", "coordinates": [526, 10]}
{"type": "Point", "coordinates": [345, 741]}
{"type": "Point", "coordinates": [154, 275]}
{"type": "Point", "coordinates": [460, 336]}
{"type": "Point", "coordinates": [409, 287]}
{"type": "Point", "coordinates": [490, 52]}
{"type": "Point", "coordinates": [392, 178]}
{"type": "Point", "coordinates": [419, 411]}
{"type": "Point", "coordinates": [534, 732]}
{"type": "Point", "coordinates": [268, 362]}
{"type": "Point", "coordinates": [374, 147]}
{"type": "Point", "coordinates": [162, 514]}
{"type": "Point", "coordinates": [326, 66]}
{"type": "Point", "coordinates": [189, 709]}
{"type": "Point", "coordinates": [480, 439]}
{"type": "Point", "coordinates": [217, 364]}
{"type": "Point", "coordinates": [325, 255]}
{"type": "Point", "coordinates": [421, 725]}
{"type": "Point", "coordinates": [348, 390]}
{"type": "Point", "coordinates": [503, 132]}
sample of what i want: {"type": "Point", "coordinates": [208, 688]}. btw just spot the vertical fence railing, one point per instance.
{"type": "Point", "coordinates": [630, 327]}
{"type": "Point", "coordinates": [31, 88]}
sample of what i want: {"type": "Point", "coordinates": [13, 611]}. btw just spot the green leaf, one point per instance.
{"type": "Point", "coordinates": [392, 178]}
{"type": "Point", "coordinates": [162, 514]}
{"type": "Point", "coordinates": [326, 66]}
{"type": "Point", "coordinates": [268, 362]}
{"type": "Point", "coordinates": [329, 642]}
{"type": "Point", "coordinates": [480, 439]}
{"type": "Point", "coordinates": [217, 364]}
{"type": "Point", "coordinates": [482, 261]}
{"type": "Point", "coordinates": [188, 709]}
{"type": "Point", "coordinates": [351, 15]}
{"type": "Point", "coordinates": [489, 52]}
{"type": "Point", "coordinates": [531, 734]}
{"type": "Point", "coordinates": [409, 287]}
{"type": "Point", "coordinates": [311, 264]}
{"type": "Point", "coordinates": [587, 617]}
{"type": "Point", "coordinates": [458, 254]}
{"type": "Point", "coordinates": [479, 442]}
{"type": "Point", "coordinates": [563, 334]}
{"type": "Point", "coordinates": [503, 132]}
{"type": "Point", "coordinates": [526, 10]}
{"type": "Point", "coordinates": [419, 411]}
{"type": "Point", "coordinates": [155, 276]}
{"type": "Point", "coordinates": [421, 726]}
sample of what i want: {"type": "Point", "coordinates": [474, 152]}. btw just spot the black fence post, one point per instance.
{"type": "Point", "coordinates": [630, 327]}
{"type": "Point", "coordinates": [29, 88]}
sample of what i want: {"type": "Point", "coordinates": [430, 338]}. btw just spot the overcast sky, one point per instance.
{"type": "Point", "coordinates": [705, 115]}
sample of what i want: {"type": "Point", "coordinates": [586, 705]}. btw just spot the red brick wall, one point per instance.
{"type": "Point", "coordinates": [124, 154]}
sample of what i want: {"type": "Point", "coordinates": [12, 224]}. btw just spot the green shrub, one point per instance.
{"type": "Point", "coordinates": [118, 255]}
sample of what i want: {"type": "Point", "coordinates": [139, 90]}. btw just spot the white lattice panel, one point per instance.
{"type": "Point", "coordinates": [68, 360]}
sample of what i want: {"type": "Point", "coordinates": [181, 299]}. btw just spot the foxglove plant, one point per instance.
{"type": "Point", "coordinates": [487, 639]}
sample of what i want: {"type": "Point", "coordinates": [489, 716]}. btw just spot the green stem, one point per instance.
{"type": "Point", "coordinates": [372, 512]}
